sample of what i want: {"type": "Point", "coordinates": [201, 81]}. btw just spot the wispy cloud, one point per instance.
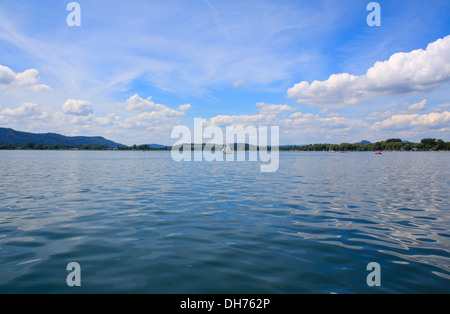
{"type": "Point", "coordinates": [442, 107]}
{"type": "Point", "coordinates": [238, 83]}
{"type": "Point", "coordinates": [220, 25]}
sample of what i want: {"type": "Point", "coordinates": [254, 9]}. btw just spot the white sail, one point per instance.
{"type": "Point", "coordinates": [226, 149]}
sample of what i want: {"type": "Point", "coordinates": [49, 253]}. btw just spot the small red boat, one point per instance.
{"type": "Point", "coordinates": [378, 153]}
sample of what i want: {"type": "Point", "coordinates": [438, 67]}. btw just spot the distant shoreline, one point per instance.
{"type": "Point", "coordinates": [426, 144]}
{"type": "Point", "coordinates": [168, 150]}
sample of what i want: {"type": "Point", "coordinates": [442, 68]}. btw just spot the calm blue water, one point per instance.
{"type": "Point", "coordinates": [141, 223]}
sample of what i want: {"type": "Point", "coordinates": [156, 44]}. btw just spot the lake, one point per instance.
{"type": "Point", "coordinates": [140, 222]}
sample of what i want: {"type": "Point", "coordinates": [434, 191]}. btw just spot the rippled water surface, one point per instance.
{"type": "Point", "coordinates": [142, 223]}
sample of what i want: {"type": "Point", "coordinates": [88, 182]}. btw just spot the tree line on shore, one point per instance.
{"type": "Point", "coordinates": [394, 144]}
{"type": "Point", "coordinates": [32, 146]}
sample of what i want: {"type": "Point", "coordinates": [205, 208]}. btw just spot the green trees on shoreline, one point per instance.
{"type": "Point", "coordinates": [395, 144]}
{"type": "Point", "coordinates": [32, 146]}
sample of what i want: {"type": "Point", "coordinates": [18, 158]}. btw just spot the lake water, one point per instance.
{"type": "Point", "coordinates": [142, 223]}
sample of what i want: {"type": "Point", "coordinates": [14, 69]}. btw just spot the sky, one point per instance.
{"type": "Point", "coordinates": [133, 70]}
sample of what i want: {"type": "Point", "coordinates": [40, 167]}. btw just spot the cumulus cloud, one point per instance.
{"type": "Point", "coordinates": [152, 115]}
{"type": "Point", "coordinates": [398, 110]}
{"type": "Point", "coordinates": [267, 115]}
{"type": "Point", "coordinates": [339, 91]}
{"type": "Point", "coordinates": [299, 127]}
{"type": "Point", "coordinates": [76, 117]}
{"type": "Point", "coordinates": [25, 110]}
{"type": "Point", "coordinates": [80, 112]}
{"type": "Point", "coordinates": [418, 70]}
{"type": "Point", "coordinates": [433, 120]}
{"type": "Point", "coordinates": [138, 104]}
{"type": "Point", "coordinates": [77, 107]}
{"type": "Point", "coordinates": [109, 119]}
{"type": "Point", "coordinates": [28, 79]}
{"type": "Point", "coordinates": [7, 76]}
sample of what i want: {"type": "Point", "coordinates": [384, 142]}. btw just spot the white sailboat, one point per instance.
{"type": "Point", "coordinates": [226, 149]}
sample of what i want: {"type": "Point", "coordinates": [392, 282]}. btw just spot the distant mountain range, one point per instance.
{"type": "Point", "coordinates": [10, 136]}
{"type": "Point", "coordinates": [156, 146]}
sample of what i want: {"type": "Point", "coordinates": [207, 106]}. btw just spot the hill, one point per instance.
{"type": "Point", "coordinates": [10, 136]}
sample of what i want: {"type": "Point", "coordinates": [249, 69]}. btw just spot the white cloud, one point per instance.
{"type": "Point", "coordinates": [109, 119]}
{"type": "Point", "coordinates": [300, 120]}
{"type": "Point", "coordinates": [305, 128]}
{"type": "Point", "coordinates": [233, 120]}
{"type": "Point", "coordinates": [265, 108]}
{"type": "Point", "coordinates": [267, 116]}
{"type": "Point", "coordinates": [40, 88]}
{"type": "Point", "coordinates": [88, 119]}
{"type": "Point", "coordinates": [152, 115]}
{"type": "Point", "coordinates": [148, 108]}
{"type": "Point", "coordinates": [76, 117]}
{"type": "Point", "coordinates": [298, 126]}
{"type": "Point", "coordinates": [34, 118]}
{"type": "Point", "coordinates": [419, 106]}
{"type": "Point", "coordinates": [238, 83]}
{"type": "Point", "coordinates": [418, 70]}
{"type": "Point", "coordinates": [77, 107]}
{"type": "Point", "coordinates": [340, 90]}
{"type": "Point", "coordinates": [398, 110]}
{"type": "Point", "coordinates": [25, 110]}
{"type": "Point", "coordinates": [296, 115]}
{"type": "Point", "coordinates": [138, 104]}
{"type": "Point", "coordinates": [185, 107]}
{"type": "Point", "coordinates": [373, 116]}
{"type": "Point", "coordinates": [433, 120]}
{"type": "Point", "coordinates": [28, 79]}
{"type": "Point", "coordinates": [7, 76]}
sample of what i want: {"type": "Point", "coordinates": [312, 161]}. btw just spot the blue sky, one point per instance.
{"type": "Point", "coordinates": [133, 70]}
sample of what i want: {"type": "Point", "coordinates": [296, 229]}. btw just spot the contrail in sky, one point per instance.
{"type": "Point", "coordinates": [218, 21]}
